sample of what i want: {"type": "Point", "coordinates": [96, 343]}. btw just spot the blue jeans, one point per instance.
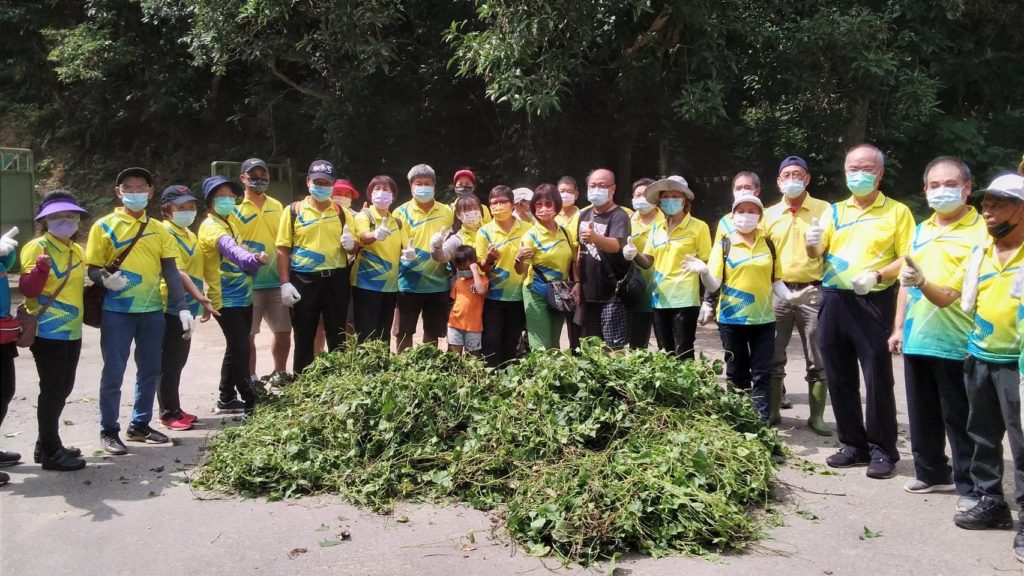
{"type": "Point", "coordinates": [117, 331]}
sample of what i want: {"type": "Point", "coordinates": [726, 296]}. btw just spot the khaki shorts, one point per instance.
{"type": "Point", "coordinates": [267, 304]}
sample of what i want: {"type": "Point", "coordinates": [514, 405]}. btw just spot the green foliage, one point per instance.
{"type": "Point", "coordinates": [585, 456]}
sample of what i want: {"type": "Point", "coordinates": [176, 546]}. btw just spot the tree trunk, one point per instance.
{"type": "Point", "coordinates": [857, 125]}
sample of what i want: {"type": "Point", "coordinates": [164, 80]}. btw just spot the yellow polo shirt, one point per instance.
{"type": "Point", "coordinates": [674, 287]}
{"type": "Point", "coordinates": [258, 227]}
{"type": "Point", "coordinates": [315, 236]}
{"type": "Point", "coordinates": [506, 284]}
{"type": "Point", "coordinates": [868, 240]}
{"type": "Point", "coordinates": [940, 252]}
{"type": "Point", "coordinates": [746, 296]}
{"type": "Point", "coordinates": [572, 225]}
{"type": "Point", "coordinates": [553, 254]}
{"type": "Point", "coordinates": [63, 318]}
{"type": "Point", "coordinates": [424, 275]}
{"type": "Point", "coordinates": [109, 237]}
{"type": "Point", "coordinates": [376, 266]}
{"type": "Point", "coordinates": [788, 231]}
{"type": "Point", "coordinates": [190, 259]}
{"type": "Point", "coordinates": [639, 233]}
{"type": "Point", "coordinates": [228, 286]}
{"type": "Point", "coordinates": [994, 336]}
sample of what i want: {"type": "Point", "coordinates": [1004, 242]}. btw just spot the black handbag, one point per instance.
{"type": "Point", "coordinates": [631, 289]}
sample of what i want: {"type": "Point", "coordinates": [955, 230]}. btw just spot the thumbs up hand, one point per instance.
{"type": "Point", "coordinates": [409, 254]}
{"type": "Point", "coordinates": [382, 232]}
{"type": "Point", "coordinates": [629, 250]}
{"type": "Point", "coordinates": [7, 242]}
{"type": "Point", "coordinates": [348, 241]}
{"type": "Point", "coordinates": [437, 240]}
{"type": "Point", "coordinates": [815, 233]}
{"type": "Point", "coordinates": [911, 274]}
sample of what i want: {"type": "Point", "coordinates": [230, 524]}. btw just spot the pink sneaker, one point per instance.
{"type": "Point", "coordinates": [190, 418]}
{"type": "Point", "coordinates": [178, 423]}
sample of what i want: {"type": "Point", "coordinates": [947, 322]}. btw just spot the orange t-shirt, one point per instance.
{"type": "Point", "coordinates": [468, 310]}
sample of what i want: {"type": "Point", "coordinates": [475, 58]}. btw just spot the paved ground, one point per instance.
{"type": "Point", "coordinates": [136, 514]}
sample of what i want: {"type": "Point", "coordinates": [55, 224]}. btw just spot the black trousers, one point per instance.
{"type": "Point", "coordinates": [854, 330]}
{"type": "Point", "coordinates": [504, 323]}
{"type": "Point", "coordinates": [172, 361]}
{"type": "Point", "coordinates": [676, 330]}
{"type": "Point", "coordinates": [993, 394]}
{"type": "Point", "coordinates": [373, 314]}
{"type": "Point", "coordinates": [323, 297]}
{"type": "Point", "coordinates": [8, 352]}
{"type": "Point", "coordinates": [235, 323]}
{"type": "Point", "coordinates": [56, 363]}
{"type": "Point", "coordinates": [639, 328]}
{"type": "Point", "coordinates": [937, 407]}
{"type": "Point", "coordinates": [752, 349]}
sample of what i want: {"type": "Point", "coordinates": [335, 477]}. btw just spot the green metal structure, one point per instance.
{"type": "Point", "coordinates": [282, 177]}
{"type": "Point", "coordinates": [17, 191]}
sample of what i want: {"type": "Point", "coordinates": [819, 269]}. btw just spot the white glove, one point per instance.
{"type": "Point", "coordinates": [289, 295]}
{"type": "Point", "coordinates": [437, 240]}
{"type": "Point", "coordinates": [7, 241]}
{"type": "Point", "coordinates": [695, 265]}
{"type": "Point", "coordinates": [911, 274]}
{"type": "Point", "coordinates": [707, 313]}
{"type": "Point", "coordinates": [115, 281]}
{"type": "Point", "coordinates": [815, 233]}
{"type": "Point", "coordinates": [188, 324]}
{"type": "Point", "coordinates": [381, 233]}
{"type": "Point", "coordinates": [629, 250]}
{"type": "Point", "coordinates": [801, 297]}
{"type": "Point", "coordinates": [450, 245]}
{"type": "Point", "coordinates": [348, 241]}
{"type": "Point", "coordinates": [864, 282]}
{"type": "Point", "coordinates": [408, 254]}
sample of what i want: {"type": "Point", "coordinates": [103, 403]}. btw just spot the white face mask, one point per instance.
{"type": "Point", "coordinates": [945, 200]}
{"type": "Point", "coordinates": [641, 205]}
{"type": "Point", "coordinates": [792, 188]}
{"type": "Point", "coordinates": [472, 219]}
{"type": "Point", "coordinates": [567, 200]}
{"type": "Point", "coordinates": [745, 223]}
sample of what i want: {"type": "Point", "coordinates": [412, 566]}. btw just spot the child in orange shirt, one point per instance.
{"type": "Point", "coordinates": [466, 320]}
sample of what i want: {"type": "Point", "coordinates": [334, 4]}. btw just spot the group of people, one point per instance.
{"type": "Point", "coordinates": [858, 280]}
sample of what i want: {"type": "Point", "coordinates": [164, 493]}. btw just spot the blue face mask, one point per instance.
{"type": "Point", "coordinates": [223, 206]}
{"type": "Point", "coordinates": [597, 196]}
{"type": "Point", "coordinates": [671, 206]}
{"type": "Point", "coordinates": [135, 201]}
{"type": "Point", "coordinates": [860, 183]}
{"type": "Point", "coordinates": [423, 193]}
{"type": "Point", "coordinates": [184, 218]}
{"type": "Point", "coordinates": [945, 200]}
{"type": "Point", "coordinates": [321, 193]}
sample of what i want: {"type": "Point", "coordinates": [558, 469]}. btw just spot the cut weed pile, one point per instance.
{"type": "Point", "coordinates": [583, 456]}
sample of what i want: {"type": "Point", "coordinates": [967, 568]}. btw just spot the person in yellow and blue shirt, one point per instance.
{"type": "Point", "coordinates": [989, 288]}
{"type": "Point", "coordinates": [179, 209]}
{"type": "Point", "coordinates": [933, 340]}
{"type": "Point", "coordinates": [745, 266]}
{"type": "Point", "coordinates": [52, 281]}
{"type": "Point", "coordinates": [863, 240]}
{"type": "Point", "coordinates": [497, 245]}
{"type": "Point", "coordinates": [644, 217]}
{"type": "Point", "coordinates": [8, 347]}
{"type": "Point", "coordinates": [675, 298]}
{"type": "Point", "coordinates": [569, 218]}
{"type": "Point", "coordinates": [228, 268]}
{"type": "Point", "coordinates": [257, 219]}
{"type": "Point", "coordinates": [422, 277]}
{"type": "Point", "coordinates": [133, 308]}
{"type": "Point", "coordinates": [313, 242]}
{"type": "Point", "coordinates": [375, 273]}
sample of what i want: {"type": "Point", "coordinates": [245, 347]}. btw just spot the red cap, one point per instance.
{"type": "Point", "coordinates": [345, 188]}
{"type": "Point", "coordinates": [464, 172]}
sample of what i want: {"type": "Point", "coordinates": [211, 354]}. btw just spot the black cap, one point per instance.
{"type": "Point", "coordinates": [134, 171]}
{"type": "Point", "coordinates": [253, 163]}
{"type": "Point", "coordinates": [177, 195]}
{"type": "Point", "coordinates": [321, 169]}
{"type": "Point", "coordinates": [214, 182]}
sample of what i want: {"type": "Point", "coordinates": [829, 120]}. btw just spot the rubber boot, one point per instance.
{"type": "Point", "coordinates": [818, 396]}
{"type": "Point", "coordinates": [775, 402]}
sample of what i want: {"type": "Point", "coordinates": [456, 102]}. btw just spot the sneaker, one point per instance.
{"type": "Point", "coordinates": [880, 469]}
{"type": "Point", "coordinates": [110, 440]}
{"type": "Point", "coordinates": [915, 486]}
{"type": "Point", "coordinates": [176, 423]}
{"type": "Point", "coordinates": [846, 458]}
{"type": "Point", "coordinates": [280, 379]}
{"type": "Point", "coordinates": [989, 513]}
{"type": "Point", "coordinates": [37, 454]}
{"type": "Point", "coordinates": [1018, 543]}
{"type": "Point", "coordinates": [4, 478]}
{"type": "Point", "coordinates": [190, 418]}
{"type": "Point", "coordinates": [235, 406]}
{"type": "Point", "coordinates": [62, 461]}
{"type": "Point", "coordinates": [143, 433]}
{"type": "Point", "coordinates": [9, 458]}
{"type": "Point", "coordinates": [965, 503]}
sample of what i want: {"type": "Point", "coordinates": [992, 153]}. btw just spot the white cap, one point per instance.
{"type": "Point", "coordinates": [1007, 186]}
{"type": "Point", "coordinates": [747, 199]}
{"type": "Point", "coordinates": [520, 194]}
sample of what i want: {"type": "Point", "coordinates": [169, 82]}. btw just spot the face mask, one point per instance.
{"type": "Point", "coordinates": [381, 198]}
{"type": "Point", "coordinates": [472, 219]}
{"type": "Point", "coordinates": [345, 201]}
{"type": "Point", "coordinates": [567, 200]}
{"type": "Point", "coordinates": [642, 206]}
{"type": "Point", "coordinates": [258, 185]}
{"type": "Point", "coordinates": [597, 196]}
{"type": "Point", "coordinates": [501, 212]}
{"type": "Point", "coordinates": [423, 193]}
{"type": "Point", "coordinates": [1002, 229]}
{"type": "Point", "coordinates": [465, 273]}
{"type": "Point", "coordinates": [671, 206]}
{"type": "Point", "coordinates": [184, 218]}
{"type": "Point", "coordinates": [792, 188]}
{"type": "Point", "coordinates": [745, 222]}
{"type": "Point", "coordinates": [944, 200]}
{"type": "Point", "coordinates": [64, 228]}
{"type": "Point", "coordinates": [860, 183]}
{"type": "Point", "coordinates": [463, 190]}
{"type": "Point", "coordinates": [135, 201]}
{"type": "Point", "coordinates": [321, 193]}
{"type": "Point", "coordinates": [545, 213]}
{"type": "Point", "coordinates": [223, 206]}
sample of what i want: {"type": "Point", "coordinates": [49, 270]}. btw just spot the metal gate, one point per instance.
{"type": "Point", "coordinates": [17, 191]}
{"type": "Point", "coordinates": [282, 177]}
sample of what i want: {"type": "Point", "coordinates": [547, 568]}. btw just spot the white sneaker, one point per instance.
{"type": "Point", "coordinates": [915, 486]}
